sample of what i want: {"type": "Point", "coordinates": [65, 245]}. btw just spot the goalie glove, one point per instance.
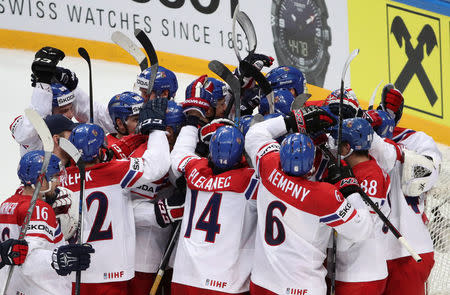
{"type": "Point", "coordinates": [419, 173]}
{"type": "Point", "coordinates": [44, 64]}
{"type": "Point", "coordinates": [342, 178]}
{"type": "Point", "coordinates": [311, 119]}
{"type": "Point", "coordinates": [170, 209]}
{"type": "Point", "coordinates": [66, 211]}
{"type": "Point", "coordinates": [72, 257]}
{"type": "Point", "coordinates": [13, 252]}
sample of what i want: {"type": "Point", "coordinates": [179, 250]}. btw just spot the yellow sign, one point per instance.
{"type": "Point", "coordinates": [414, 56]}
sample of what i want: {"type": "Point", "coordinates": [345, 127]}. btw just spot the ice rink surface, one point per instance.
{"type": "Point", "coordinates": [108, 78]}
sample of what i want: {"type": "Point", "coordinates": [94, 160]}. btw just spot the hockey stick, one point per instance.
{"type": "Point", "coordinates": [249, 70]}
{"type": "Point", "coordinates": [129, 46]}
{"type": "Point", "coordinates": [372, 98]}
{"type": "Point", "coordinates": [225, 74]}
{"type": "Point", "coordinates": [150, 50]}
{"type": "Point", "coordinates": [300, 100]}
{"type": "Point", "coordinates": [248, 28]}
{"type": "Point", "coordinates": [165, 259]}
{"type": "Point", "coordinates": [85, 55]}
{"type": "Point", "coordinates": [75, 154]}
{"type": "Point", "coordinates": [380, 214]}
{"type": "Point", "coordinates": [47, 141]}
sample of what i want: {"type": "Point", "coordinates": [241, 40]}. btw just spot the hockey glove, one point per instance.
{"type": "Point", "coordinates": [205, 133]}
{"type": "Point", "coordinates": [67, 78]}
{"type": "Point", "coordinates": [309, 120]}
{"type": "Point", "coordinates": [199, 96]}
{"type": "Point", "coordinates": [44, 64]}
{"type": "Point", "coordinates": [250, 101]}
{"type": "Point", "coordinates": [13, 252]}
{"type": "Point", "coordinates": [170, 209]}
{"type": "Point", "coordinates": [342, 178]}
{"type": "Point", "coordinates": [72, 257]}
{"type": "Point", "coordinates": [258, 61]}
{"type": "Point", "coordinates": [125, 146]}
{"type": "Point", "coordinates": [373, 118]}
{"type": "Point", "coordinates": [153, 116]}
{"type": "Point", "coordinates": [392, 101]}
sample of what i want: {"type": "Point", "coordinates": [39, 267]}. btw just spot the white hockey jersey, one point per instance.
{"type": "Point", "coordinates": [216, 244]}
{"type": "Point", "coordinates": [35, 276]}
{"type": "Point", "coordinates": [295, 218]}
{"type": "Point", "coordinates": [41, 100]}
{"type": "Point", "coordinates": [108, 219]}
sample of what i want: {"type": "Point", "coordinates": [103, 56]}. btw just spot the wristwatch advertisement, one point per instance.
{"type": "Point", "coordinates": [302, 36]}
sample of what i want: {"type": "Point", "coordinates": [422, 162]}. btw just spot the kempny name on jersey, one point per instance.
{"type": "Point", "coordinates": [286, 185]}
{"type": "Point", "coordinates": [212, 183]}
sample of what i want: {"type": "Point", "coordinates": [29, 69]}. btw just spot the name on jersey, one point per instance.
{"type": "Point", "coordinates": [72, 179]}
{"type": "Point", "coordinates": [8, 208]}
{"type": "Point", "coordinates": [215, 283]}
{"type": "Point", "coordinates": [210, 183]}
{"type": "Point", "coordinates": [280, 181]}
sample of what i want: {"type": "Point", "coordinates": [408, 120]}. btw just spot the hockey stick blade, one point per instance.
{"type": "Point", "coordinates": [372, 98]}
{"type": "Point", "coordinates": [233, 37]}
{"type": "Point", "coordinates": [129, 46]}
{"type": "Point", "coordinates": [151, 53]}
{"type": "Point", "coordinates": [47, 141]}
{"type": "Point", "coordinates": [225, 74]}
{"type": "Point", "coordinates": [249, 30]}
{"type": "Point", "coordinates": [85, 55]}
{"type": "Point", "coordinates": [249, 70]}
{"type": "Point", "coordinates": [348, 61]}
{"type": "Point", "coordinates": [299, 101]}
{"type": "Point", "coordinates": [70, 149]}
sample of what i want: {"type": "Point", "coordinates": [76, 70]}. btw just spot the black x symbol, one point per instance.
{"type": "Point", "coordinates": [427, 38]}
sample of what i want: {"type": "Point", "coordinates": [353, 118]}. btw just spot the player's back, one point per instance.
{"type": "Point", "coordinates": [108, 221]}
{"type": "Point", "coordinates": [216, 244]}
{"type": "Point", "coordinates": [295, 217]}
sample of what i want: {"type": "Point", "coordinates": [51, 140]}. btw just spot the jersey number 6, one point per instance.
{"type": "Point", "coordinates": [273, 221]}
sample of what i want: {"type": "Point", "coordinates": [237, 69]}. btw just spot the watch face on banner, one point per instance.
{"type": "Point", "coordinates": [302, 36]}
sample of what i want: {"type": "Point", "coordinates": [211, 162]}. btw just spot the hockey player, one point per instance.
{"type": "Point", "coordinates": [220, 98]}
{"type": "Point", "coordinates": [151, 236]}
{"type": "Point", "coordinates": [108, 211]}
{"type": "Point", "coordinates": [166, 84]}
{"type": "Point", "coordinates": [124, 111]}
{"type": "Point", "coordinates": [282, 98]}
{"type": "Point", "coordinates": [350, 106]}
{"type": "Point", "coordinates": [219, 221]}
{"type": "Point", "coordinates": [362, 268]}
{"type": "Point", "coordinates": [44, 238]}
{"type": "Point", "coordinates": [295, 215]}
{"type": "Point", "coordinates": [413, 152]}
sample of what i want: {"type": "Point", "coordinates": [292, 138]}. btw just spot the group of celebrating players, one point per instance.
{"type": "Point", "coordinates": [256, 200]}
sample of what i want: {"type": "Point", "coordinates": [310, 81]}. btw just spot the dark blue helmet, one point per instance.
{"type": "Point", "coordinates": [386, 129]}
{"type": "Point", "coordinates": [226, 147]}
{"type": "Point", "coordinates": [219, 92]}
{"type": "Point", "coordinates": [124, 105]}
{"type": "Point", "coordinates": [244, 123]}
{"type": "Point", "coordinates": [165, 80]}
{"type": "Point", "coordinates": [30, 166]}
{"type": "Point", "coordinates": [88, 138]}
{"type": "Point", "coordinates": [283, 99]}
{"type": "Point", "coordinates": [175, 117]}
{"type": "Point", "coordinates": [297, 154]}
{"type": "Point", "coordinates": [287, 78]}
{"type": "Point", "coordinates": [61, 95]}
{"type": "Point", "coordinates": [357, 132]}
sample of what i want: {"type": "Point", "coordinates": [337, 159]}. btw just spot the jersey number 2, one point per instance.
{"type": "Point", "coordinates": [210, 226]}
{"type": "Point", "coordinates": [97, 234]}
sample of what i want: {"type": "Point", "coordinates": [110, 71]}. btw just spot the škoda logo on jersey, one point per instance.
{"type": "Point", "coordinates": [415, 67]}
